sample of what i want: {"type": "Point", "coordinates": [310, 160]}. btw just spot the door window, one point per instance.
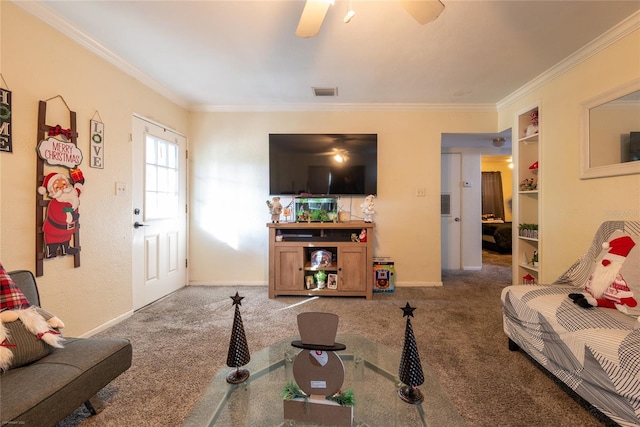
{"type": "Point", "coordinates": [161, 179]}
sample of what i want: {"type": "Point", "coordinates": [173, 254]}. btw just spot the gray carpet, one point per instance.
{"type": "Point", "coordinates": [181, 341]}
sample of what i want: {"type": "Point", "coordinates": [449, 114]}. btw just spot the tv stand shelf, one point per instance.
{"type": "Point", "coordinates": [349, 270]}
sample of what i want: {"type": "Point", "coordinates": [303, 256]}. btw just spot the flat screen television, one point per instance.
{"type": "Point", "coordinates": [337, 164]}
{"type": "Point", "coordinates": [634, 146]}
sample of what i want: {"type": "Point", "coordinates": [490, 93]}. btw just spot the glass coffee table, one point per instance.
{"type": "Point", "coordinates": [371, 370]}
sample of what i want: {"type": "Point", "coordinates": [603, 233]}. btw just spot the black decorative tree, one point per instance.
{"type": "Point", "coordinates": [410, 371]}
{"type": "Point", "coordinates": [238, 349]}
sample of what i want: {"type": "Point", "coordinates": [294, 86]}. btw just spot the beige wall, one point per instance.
{"type": "Point", "coordinates": [229, 186]}
{"type": "Point", "coordinates": [572, 209]}
{"type": "Point", "coordinates": [228, 175]}
{"type": "Point", "coordinates": [39, 63]}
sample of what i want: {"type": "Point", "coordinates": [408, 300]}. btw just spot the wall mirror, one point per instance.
{"type": "Point", "coordinates": [610, 143]}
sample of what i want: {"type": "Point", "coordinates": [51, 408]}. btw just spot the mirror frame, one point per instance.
{"type": "Point", "coordinates": [586, 170]}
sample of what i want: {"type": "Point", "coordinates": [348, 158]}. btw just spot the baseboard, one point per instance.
{"type": "Point", "coordinates": [227, 283]}
{"type": "Point", "coordinates": [418, 284]}
{"type": "Point", "coordinates": [107, 325]}
{"type": "Point", "coordinates": [472, 267]}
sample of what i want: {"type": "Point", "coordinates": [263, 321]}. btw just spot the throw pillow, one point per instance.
{"type": "Point", "coordinates": [25, 334]}
{"type": "Point", "coordinates": [25, 346]}
{"type": "Point", "coordinates": [630, 271]}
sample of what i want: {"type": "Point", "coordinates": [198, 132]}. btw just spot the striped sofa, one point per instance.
{"type": "Point", "coordinates": [594, 351]}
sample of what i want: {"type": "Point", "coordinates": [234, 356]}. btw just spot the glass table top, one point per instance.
{"type": "Point", "coordinates": [371, 371]}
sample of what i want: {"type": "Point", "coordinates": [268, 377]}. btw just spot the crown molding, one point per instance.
{"type": "Point", "coordinates": [41, 11]}
{"type": "Point", "coordinates": [627, 26]}
{"type": "Point", "coordinates": [49, 16]}
{"type": "Point", "coordinates": [347, 107]}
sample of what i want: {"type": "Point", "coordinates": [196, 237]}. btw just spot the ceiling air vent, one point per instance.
{"type": "Point", "coordinates": [325, 91]}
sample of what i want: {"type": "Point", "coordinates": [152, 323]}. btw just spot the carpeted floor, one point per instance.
{"type": "Point", "coordinates": [180, 342]}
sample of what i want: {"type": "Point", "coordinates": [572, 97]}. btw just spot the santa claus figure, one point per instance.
{"type": "Point", "coordinates": [606, 287]}
{"type": "Point", "coordinates": [62, 214]}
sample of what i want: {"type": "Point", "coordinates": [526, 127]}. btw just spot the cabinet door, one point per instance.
{"type": "Point", "coordinates": [289, 274]}
{"type": "Point", "coordinates": [352, 264]}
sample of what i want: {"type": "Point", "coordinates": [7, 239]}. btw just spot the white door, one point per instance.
{"type": "Point", "coordinates": [159, 212]}
{"type": "Point", "coordinates": [450, 243]}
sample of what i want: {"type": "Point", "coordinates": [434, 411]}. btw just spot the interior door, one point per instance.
{"type": "Point", "coordinates": [451, 178]}
{"type": "Point", "coordinates": [159, 212]}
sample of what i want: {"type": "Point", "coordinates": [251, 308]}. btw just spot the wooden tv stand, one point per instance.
{"type": "Point", "coordinates": [292, 272]}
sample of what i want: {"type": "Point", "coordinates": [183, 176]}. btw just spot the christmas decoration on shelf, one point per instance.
{"type": "Point", "coordinates": [275, 209]}
{"type": "Point", "coordinates": [532, 129]}
{"type": "Point", "coordinates": [238, 348]}
{"type": "Point", "coordinates": [367, 208]}
{"type": "Point", "coordinates": [410, 370]}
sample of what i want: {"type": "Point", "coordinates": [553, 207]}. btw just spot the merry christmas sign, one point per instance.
{"type": "Point", "coordinates": [59, 153]}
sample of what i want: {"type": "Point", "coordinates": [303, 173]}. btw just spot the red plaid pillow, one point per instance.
{"type": "Point", "coordinates": [11, 297]}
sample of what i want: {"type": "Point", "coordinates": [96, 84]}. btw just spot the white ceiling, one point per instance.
{"type": "Point", "coordinates": [244, 54]}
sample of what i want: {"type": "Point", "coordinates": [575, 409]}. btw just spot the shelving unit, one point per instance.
{"type": "Point", "coordinates": [348, 263]}
{"type": "Point", "coordinates": [526, 202]}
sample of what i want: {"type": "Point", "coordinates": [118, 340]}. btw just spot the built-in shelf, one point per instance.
{"type": "Point", "coordinates": [529, 267]}
{"type": "Point", "coordinates": [528, 188]}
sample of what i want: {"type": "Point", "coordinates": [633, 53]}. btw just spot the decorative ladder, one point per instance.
{"type": "Point", "coordinates": [41, 203]}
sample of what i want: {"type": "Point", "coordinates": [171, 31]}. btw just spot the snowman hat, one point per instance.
{"type": "Point", "coordinates": [318, 332]}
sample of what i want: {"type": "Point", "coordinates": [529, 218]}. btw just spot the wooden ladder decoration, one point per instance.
{"type": "Point", "coordinates": [41, 203]}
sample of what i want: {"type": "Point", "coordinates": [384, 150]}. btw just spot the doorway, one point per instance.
{"type": "Point", "coordinates": [472, 147]}
{"type": "Point", "coordinates": [159, 211]}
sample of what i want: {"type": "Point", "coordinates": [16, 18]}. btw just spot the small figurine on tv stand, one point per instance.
{"type": "Point", "coordinates": [367, 208]}
{"type": "Point", "coordinates": [275, 208]}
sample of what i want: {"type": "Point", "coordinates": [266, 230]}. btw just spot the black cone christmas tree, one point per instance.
{"type": "Point", "coordinates": [410, 371]}
{"type": "Point", "coordinates": [238, 349]}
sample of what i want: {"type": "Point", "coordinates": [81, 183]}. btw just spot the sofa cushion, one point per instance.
{"type": "Point", "coordinates": [57, 384]}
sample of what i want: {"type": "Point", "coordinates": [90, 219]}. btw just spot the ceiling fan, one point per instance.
{"type": "Point", "coordinates": [423, 11]}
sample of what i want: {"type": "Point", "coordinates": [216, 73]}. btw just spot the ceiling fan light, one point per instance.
{"type": "Point", "coordinates": [349, 15]}
{"type": "Point", "coordinates": [338, 158]}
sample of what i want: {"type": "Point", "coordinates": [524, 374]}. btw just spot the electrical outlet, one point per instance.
{"type": "Point", "coordinates": [121, 188]}
{"type": "Point", "coordinates": [420, 192]}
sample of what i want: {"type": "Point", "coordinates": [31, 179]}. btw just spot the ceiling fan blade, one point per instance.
{"type": "Point", "coordinates": [312, 16]}
{"type": "Point", "coordinates": [423, 11]}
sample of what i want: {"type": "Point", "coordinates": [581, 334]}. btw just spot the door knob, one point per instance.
{"type": "Point", "coordinates": [457, 219]}
{"type": "Point", "coordinates": [138, 224]}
